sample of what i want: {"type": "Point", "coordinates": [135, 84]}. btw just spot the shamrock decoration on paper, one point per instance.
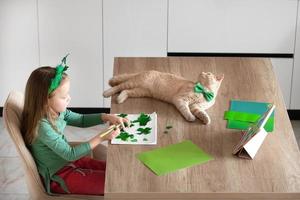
{"type": "Point", "coordinates": [125, 136]}
{"type": "Point", "coordinates": [143, 119]}
{"type": "Point", "coordinates": [144, 131]}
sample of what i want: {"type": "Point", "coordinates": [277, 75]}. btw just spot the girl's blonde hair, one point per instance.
{"type": "Point", "coordinates": [36, 102]}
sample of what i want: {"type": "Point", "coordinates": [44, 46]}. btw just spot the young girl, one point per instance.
{"type": "Point", "coordinates": [63, 168]}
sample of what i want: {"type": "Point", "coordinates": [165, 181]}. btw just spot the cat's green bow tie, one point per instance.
{"type": "Point", "coordinates": [198, 88]}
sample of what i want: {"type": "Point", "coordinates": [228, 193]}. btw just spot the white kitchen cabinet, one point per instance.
{"type": "Point", "coordinates": [75, 27]}
{"type": "Point", "coordinates": [232, 26]}
{"type": "Point", "coordinates": [295, 100]}
{"type": "Point", "coordinates": [283, 68]}
{"type": "Point", "coordinates": [133, 28]}
{"type": "Point", "coordinates": [18, 45]}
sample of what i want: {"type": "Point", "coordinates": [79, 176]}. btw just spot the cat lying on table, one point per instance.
{"type": "Point", "coordinates": [191, 99]}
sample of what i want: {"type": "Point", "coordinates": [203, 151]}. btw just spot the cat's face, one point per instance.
{"type": "Point", "coordinates": [211, 81]}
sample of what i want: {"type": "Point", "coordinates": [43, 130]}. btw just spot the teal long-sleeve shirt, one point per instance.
{"type": "Point", "coordinates": [51, 150]}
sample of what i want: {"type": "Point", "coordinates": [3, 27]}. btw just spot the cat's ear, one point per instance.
{"type": "Point", "coordinates": [220, 77]}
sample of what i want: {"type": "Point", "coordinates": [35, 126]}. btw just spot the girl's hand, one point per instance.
{"type": "Point", "coordinates": [111, 135]}
{"type": "Point", "coordinates": [113, 119]}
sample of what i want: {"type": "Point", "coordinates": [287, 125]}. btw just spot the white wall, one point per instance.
{"type": "Point", "coordinates": [232, 26]}
{"type": "Point", "coordinates": [18, 44]}
{"type": "Point", "coordinates": [133, 28]}
{"type": "Point", "coordinates": [75, 27]}
{"type": "Point", "coordinates": [41, 32]}
{"type": "Point", "coordinates": [295, 97]}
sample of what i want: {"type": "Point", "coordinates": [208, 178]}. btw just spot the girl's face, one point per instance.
{"type": "Point", "coordinates": [60, 98]}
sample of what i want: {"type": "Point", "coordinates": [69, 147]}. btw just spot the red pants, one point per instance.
{"type": "Point", "coordinates": [83, 176]}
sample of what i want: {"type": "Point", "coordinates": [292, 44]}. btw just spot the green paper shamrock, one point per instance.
{"type": "Point", "coordinates": [125, 136]}
{"type": "Point", "coordinates": [143, 119]}
{"type": "Point", "coordinates": [144, 131]}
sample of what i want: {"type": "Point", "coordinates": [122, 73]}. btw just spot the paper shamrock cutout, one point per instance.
{"type": "Point", "coordinates": [144, 131]}
{"type": "Point", "coordinates": [143, 119]}
{"type": "Point", "coordinates": [125, 136]}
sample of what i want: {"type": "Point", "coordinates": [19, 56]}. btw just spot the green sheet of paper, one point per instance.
{"type": "Point", "coordinates": [236, 121]}
{"type": "Point", "coordinates": [173, 157]}
{"type": "Point", "coordinates": [242, 120]}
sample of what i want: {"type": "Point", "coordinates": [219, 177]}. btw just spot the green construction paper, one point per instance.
{"type": "Point", "coordinates": [241, 116]}
{"type": "Point", "coordinates": [173, 157]}
{"type": "Point", "coordinates": [250, 107]}
{"type": "Point", "coordinates": [242, 120]}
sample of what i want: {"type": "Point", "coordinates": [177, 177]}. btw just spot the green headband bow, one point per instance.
{"type": "Point", "coordinates": [59, 70]}
{"type": "Point", "coordinates": [198, 88]}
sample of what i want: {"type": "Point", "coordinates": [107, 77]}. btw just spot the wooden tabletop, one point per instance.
{"type": "Point", "coordinates": [274, 172]}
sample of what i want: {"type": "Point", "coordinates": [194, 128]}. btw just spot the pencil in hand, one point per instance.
{"type": "Point", "coordinates": [109, 130]}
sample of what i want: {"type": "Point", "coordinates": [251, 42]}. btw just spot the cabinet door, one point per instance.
{"type": "Point", "coordinates": [295, 99]}
{"type": "Point", "coordinates": [18, 45]}
{"type": "Point", "coordinates": [133, 28]}
{"type": "Point", "coordinates": [75, 27]}
{"type": "Point", "coordinates": [232, 26]}
{"type": "Point", "coordinates": [283, 68]}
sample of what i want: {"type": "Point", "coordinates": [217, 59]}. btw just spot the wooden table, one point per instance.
{"type": "Point", "coordinates": [273, 174]}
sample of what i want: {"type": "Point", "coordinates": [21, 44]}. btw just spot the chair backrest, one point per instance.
{"type": "Point", "coordinates": [12, 114]}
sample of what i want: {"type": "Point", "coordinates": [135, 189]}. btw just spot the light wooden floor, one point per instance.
{"type": "Point", "coordinates": [12, 183]}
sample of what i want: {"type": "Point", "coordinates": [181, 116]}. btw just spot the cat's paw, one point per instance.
{"type": "Point", "coordinates": [190, 118]}
{"type": "Point", "coordinates": [122, 97]}
{"type": "Point", "coordinates": [107, 93]}
{"type": "Point", "coordinates": [205, 120]}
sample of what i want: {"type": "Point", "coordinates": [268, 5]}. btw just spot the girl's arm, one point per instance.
{"type": "Point", "coordinates": [57, 143]}
{"type": "Point", "coordinates": [82, 120]}
{"type": "Point", "coordinates": [87, 120]}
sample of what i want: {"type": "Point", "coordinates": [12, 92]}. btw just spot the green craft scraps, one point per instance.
{"type": "Point", "coordinates": [143, 119]}
{"type": "Point", "coordinates": [144, 131]}
{"type": "Point", "coordinates": [125, 136]}
{"type": "Point", "coordinates": [169, 127]}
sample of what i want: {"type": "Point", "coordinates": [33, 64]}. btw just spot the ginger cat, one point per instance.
{"type": "Point", "coordinates": [170, 88]}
